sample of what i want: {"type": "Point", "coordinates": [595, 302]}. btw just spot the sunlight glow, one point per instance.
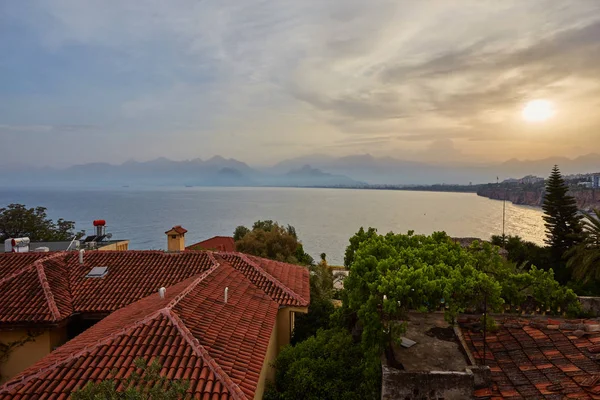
{"type": "Point", "coordinates": [538, 111]}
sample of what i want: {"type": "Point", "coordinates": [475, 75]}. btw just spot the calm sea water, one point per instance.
{"type": "Point", "coordinates": [324, 218]}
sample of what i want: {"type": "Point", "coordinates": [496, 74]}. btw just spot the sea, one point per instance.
{"type": "Point", "coordinates": [324, 218]}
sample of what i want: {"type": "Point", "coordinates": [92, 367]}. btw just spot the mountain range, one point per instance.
{"type": "Point", "coordinates": [312, 170]}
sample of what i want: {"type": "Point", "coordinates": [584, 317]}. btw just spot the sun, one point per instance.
{"type": "Point", "coordinates": [538, 111]}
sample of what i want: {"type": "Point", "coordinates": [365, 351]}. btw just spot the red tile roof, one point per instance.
{"type": "Point", "coordinates": [220, 348]}
{"type": "Point", "coordinates": [27, 292]}
{"type": "Point", "coordinates": [50, 288]}
{"type": "Point", "coordinates": [289, 288]}
{"type": "Point", "coordinates": [53, 287]}
{"type": "Point", "coordinates": [218, 243]}
{"type": "Point", "coordinates": [178, 229]}
{"type": "Point", "coordinates": [534, 359]}
{"type": "Point", "coordinates": [131, 276]}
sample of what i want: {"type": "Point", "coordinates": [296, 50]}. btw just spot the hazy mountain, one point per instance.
{"type": "Point", "coordinates": [321, 171]}
{"type": "Point", "coordinates": [308, 176]}
{"type": "Point", "coordinates": [388, 170]}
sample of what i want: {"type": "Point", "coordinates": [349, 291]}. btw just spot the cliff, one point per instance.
{"type": "Point", "coordinates": [586, 198]}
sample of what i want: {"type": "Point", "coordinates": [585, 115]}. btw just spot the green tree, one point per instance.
{"type": "Point", "coordinates": [393, 274]}
{"type": "Point", "coordinates": [269, 239]}
{"type": "Point", "coordinates": [240, 232]}
{"type": "Point", "coordinates": [523, 252]}
{"type": "Point", "coordinates": [16, 220]}
{"type": "Point", "coordinates": [328, 366]}
{"type": "Point", "coordinates": [584, 259]}
{"type": "Point", "coordinates": [355, 241]}
{"type": "Point", "coordinates": [563, 224]}
{"type": "Point", "coordinates": [145, 383]}
{"type": "Point", "coordinates": [320, 307]}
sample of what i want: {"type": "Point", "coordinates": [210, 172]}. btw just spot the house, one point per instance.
{"type": "Point", "coordinates": [218, 243]}
{"type": "Point", "coordinates": [99, 240]}
{"type": "Point", "coordinates": [526, 357]}
{"type": "Point", "coordinates": [219, 322]}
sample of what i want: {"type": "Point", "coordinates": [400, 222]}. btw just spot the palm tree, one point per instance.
{"type": "Point", "coordinates": [584, 258]}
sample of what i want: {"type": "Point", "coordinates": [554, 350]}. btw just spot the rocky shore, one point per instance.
{"type": "Point", "coordinates": [586, 198]}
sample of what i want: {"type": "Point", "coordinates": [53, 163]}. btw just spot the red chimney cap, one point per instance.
{"type": "Point", "coordinates": [99, 222]}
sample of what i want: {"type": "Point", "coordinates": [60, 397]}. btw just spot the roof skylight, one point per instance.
{"type": "Point", "coordinates": [97, 272]}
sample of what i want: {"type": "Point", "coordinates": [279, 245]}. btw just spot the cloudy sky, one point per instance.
{"type": "Point", "coordinates": [260, 81]}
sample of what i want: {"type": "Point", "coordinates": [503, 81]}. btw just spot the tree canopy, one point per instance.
{"type": "Point", "coordinates": [16, 221]}
{"type": "Point", "coordinates": [584, 258]}
{"type": "Point", "coordinates": [391, 274]}
{"type": "Point", "coordinates": [269, 239]}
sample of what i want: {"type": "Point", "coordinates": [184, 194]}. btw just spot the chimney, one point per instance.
{"type": "Point", "coordinates": [226, 293]}
{"type": "Point", "coordinates": [81, 253]}
{"type": "Point", "coordinates": [176, 238]}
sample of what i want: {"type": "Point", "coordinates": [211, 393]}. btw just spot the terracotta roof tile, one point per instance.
{"type": "Point", "coordinates": [217, 243]}
{"type": "Point", "coordinates": [235, 334]}
{"type": "Point", "coordinates": [131, 276]}
{"type": "Point", "coordinates": [220, 348]}
{"type": "Point", "coordinates": [178, 229]}
{"type": "Point", "coordinates": [277, 283]}
{"type": "Point", "coordinates": [529, 360]}
{"type": "Point", "coordinates": [61, 281]}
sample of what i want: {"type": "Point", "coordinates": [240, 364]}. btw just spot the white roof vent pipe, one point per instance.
{"type": "Point", "coordinates": [161, 292]}
{"type": "Point", "coordinates": [226, 293]}
{"type": "Point", "coordinates": [81, 253]}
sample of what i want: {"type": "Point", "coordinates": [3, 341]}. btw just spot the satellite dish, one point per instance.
{"type": "Point", "coordinates": [109, 235]}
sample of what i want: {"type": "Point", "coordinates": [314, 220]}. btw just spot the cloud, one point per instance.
{"type": "Point", "coordinates": [235, 78]}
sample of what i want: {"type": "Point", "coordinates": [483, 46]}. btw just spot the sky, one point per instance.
{"type": "Point", "coordinates": [261, 81]}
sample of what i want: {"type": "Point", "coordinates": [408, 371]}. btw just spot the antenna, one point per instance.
{"type": "Point", "coordinates": [72, 241]}
{"type": "Point", "coordinates": [484, 324]}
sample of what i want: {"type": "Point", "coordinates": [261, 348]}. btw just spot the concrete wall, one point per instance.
{"type": "Point", "coordinates": [590, 304]}
{"type": "Point", "coordinates": [280, 337]}
{"type": "Point", "coordinates": [23, 356]}
{"type": "Point", "coordinates": [447, 385]}
{"type": "Point", "coordinates": [58, 337]}
{"type": "Point", "coordinates": [285, 324]}
{"type": "Point", "coordinates": [121, 246]}
{"type": "Point", "coordinates": [268, 372]}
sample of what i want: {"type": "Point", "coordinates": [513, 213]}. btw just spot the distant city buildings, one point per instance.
{"type": "Point", "coordinates": [590, 181]}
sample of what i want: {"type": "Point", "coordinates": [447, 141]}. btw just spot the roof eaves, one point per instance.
{"type": "Point", "coordinates": [234, 390]}
{"type": "Point", "coordinates": [277, 282]}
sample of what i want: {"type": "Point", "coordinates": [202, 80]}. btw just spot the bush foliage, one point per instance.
{"type": "Point", "coordinates": [328, 366]}
{"type": "Point", "coordinates": [269, 239]}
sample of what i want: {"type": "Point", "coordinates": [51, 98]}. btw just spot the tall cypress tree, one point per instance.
{"type": "Point", "coordinates": [563, 224]}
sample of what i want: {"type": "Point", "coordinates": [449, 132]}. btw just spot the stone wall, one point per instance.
{"type": "Point", "coordinates": [433, 385]}
{"type": "Point", "coordinates": [590, 305]}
